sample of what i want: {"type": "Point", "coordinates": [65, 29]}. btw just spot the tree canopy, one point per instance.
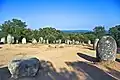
{"type": "Point", "coordinates": [18, 29]}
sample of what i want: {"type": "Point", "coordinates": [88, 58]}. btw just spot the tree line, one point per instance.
{"type": "Point", "coordinates": [19, 30]}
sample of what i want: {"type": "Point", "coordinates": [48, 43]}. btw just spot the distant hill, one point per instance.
{"type": "Point", "coordinates": [75, 31]}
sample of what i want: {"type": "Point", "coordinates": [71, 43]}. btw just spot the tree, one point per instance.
{"type": "Point", "coordinates": [91, 36]}
{"type": "Point", "coordinates": [99, 31]}
{"type": "Point", "coordinates": [115, 33]}
{"type": "Point", "coordinates": [14, 27]}
{"type": "Point", "coordinates": [50, 33]}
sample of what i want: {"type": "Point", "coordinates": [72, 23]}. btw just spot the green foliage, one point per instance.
{"type": "Point", "coordinates": [14, 27]}
{"type": "Point", "coordinates": [91, 36]}
{"type": "Point", "coordinates": [18, 29]}
{"type": "Point", "coordinates": [115, 33]}
{"type": "Point", "coordinates": [50, 33]}
{"type": "Point", "coordinates": [99, 31]}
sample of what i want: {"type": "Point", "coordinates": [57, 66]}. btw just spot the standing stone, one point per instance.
{"type": "Point", "coordinates": [23, 67]}
{"type": "Point", "coordinates": [95, 44]}
{"type": "Point", "coordinates": [13, 39]}
{"type": "Point", "coordinates": [60, 41]}
{"type": "Point", "coordinates": [9, 39]}
{"type": "Point", "coordinates": [73, 41]}
{"type": "Point", "coordinates": [47, 41]}
{"type": "Point", "coordinates": [57, 41]}
{"type": "Point", "coordinates": [24, 41]}
{"type": "Point", "coordinates": [41, 40]}
{"type": "Point", "coordinates": [17, 41]}
{"type": "Point", "coordinates": [77, 42]}
{"type": "Point", "coordinates": [89, 42]}
{"type": "Point", "coordinates": [83, 43]}
{"type": "Point", "coordinates": [34, 41]}
{"type": "Point", "coordinates": [53, 42]}
{"type": "Point", "coordinates": [2, 39]}
{"type": "Point", "coordinates": [106, 49]}
{"type": "Point", "coordinates": [68, 41]}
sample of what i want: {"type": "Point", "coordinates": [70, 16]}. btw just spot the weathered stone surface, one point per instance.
{"type": "Point", "coordinates": [41, 40]}
{"type": "Point", "coordinates": [106, 49]}
{"type": "Point", "coordinates": [24, 41]}
{"type": "Point", "coordinates": [34, 41]}
{"type": "Point", "coordinates": [57, 41]}
{"type": "Point", "coordinates": [89, 42]}
{"type": "Point", "coordinates": [60, 41]}
{"type": "Point", "coordinates": [23, 67]}
{"type": "Point", "coordinates": [68, 41]}
{"type": "Point", "coordinates": [2, 39]}
{"type": "Point", "coordinates": [95, 44]}
{"type": "Point", "coordinates": [17, 41]}
{"type": "Point", "coordinates": [47, 41]}
{"type": "Point", "coordinates": [53, 42]}
{"type": "Point", "coordinates": [13, 39]}
{"type": "Point", "coordinates": [9, 39]}
{"type": "Point", "coordinates": [73, 41]}
{"type": "Point", "coordinates": [77, 42]}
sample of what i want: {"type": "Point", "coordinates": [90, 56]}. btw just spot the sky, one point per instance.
{"type": "Point", "coordinates": [62, 14]}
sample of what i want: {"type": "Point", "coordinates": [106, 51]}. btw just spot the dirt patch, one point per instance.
{"type": "Point", "coordinates": [79, 56]}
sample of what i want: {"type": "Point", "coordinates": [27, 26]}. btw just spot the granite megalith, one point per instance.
{"type": "Point", "coordinates": [23, 67]}
{"type": "Point", "coordinates": [106, 49]}
{"type": "Point", "coordinates": [95, 44]}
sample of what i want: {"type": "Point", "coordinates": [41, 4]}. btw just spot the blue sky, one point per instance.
{"type": "Point", "coordinates": [62, 14]}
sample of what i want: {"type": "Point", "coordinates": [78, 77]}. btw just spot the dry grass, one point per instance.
{"type": "Point", "coordinates": [58, 56]}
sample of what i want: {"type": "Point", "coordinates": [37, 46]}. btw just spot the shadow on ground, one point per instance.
{"type": "Point", "coordinates": [114, 72]}
{"type": "Point", "coordinates": [90, 48]}
{"type": "Point", "coordinates": [118, 60]}
{"type": "Point", "coordinates": [92, 71]}
{"type": "Point", "coordinates": [46, 72]}
{"type": "Point", "coordinates": [89, 58]}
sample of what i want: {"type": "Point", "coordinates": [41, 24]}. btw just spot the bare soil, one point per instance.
{"type": "Point", "coordinates": [70, 62]}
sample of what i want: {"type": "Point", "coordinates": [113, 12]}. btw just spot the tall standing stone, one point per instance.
{"type": "Point", "coordinates": [95, 44]}
{"type": "Point", "coordinates": [2, 39]}
{"type": "Point", "coordinates": [89, 42]}
{"type": "Point", "coordinates": [106, 49]}
{"type": "Point", "coordinates": [73, 41]}
{"type": "Point", "coordinates": [41, 40]}
{"type": "Point", "coordinates": [53, 42]}
{"type": "Point", "coordinates": [9, 39]}
{"type": "Point", "coordinates": [60, 41]}
{"type": "Point", "coordinates": [24, 41]}
{"type": "Point", "coordinates": [17, 41]}
{"type": "Point", "coordinates": [13, 39]}
{"type": "Point", "coordinates": [68, 41]}
{"type": "Point", "coordinates": [47, 41]}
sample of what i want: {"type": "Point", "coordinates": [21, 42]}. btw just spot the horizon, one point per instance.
{"type": "Point", "coordinates": [62, 14]}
